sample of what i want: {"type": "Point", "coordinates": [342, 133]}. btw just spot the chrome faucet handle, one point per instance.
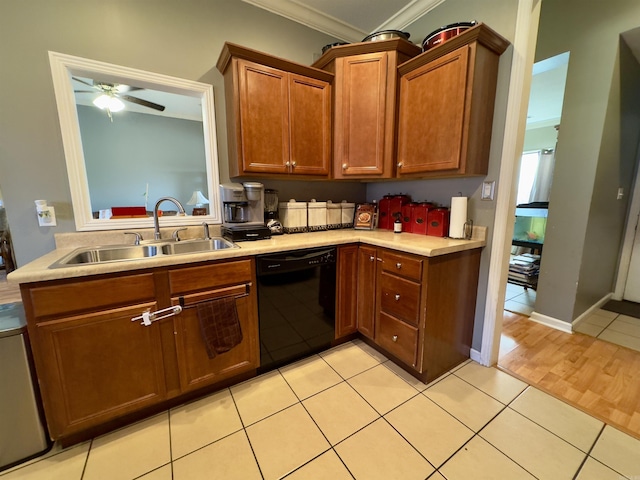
{"type": "Point", "coordinates": [138, 237]}
{"type": "Point", "coordinates": [176, 234]}
{"type": "Point", "coordinates": [205, 227]}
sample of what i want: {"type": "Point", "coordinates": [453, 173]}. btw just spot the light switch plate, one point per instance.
{"type": "Point", "coordinates": [488, 189]}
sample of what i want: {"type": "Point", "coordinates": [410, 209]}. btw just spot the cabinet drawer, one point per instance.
{"type": "Point", "coordinates": [400, 298]}
{"type": "Point", "coordinates": [403, 265]}
{"type": "Point", "coordinates": [398, 338]}
{"type": "Point", "coordinates": [193, 279]}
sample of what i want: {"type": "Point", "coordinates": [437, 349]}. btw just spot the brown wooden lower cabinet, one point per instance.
{"type": "Point", "coordinates": [420, 310]}
{"type": "Point", "coordinates": [366, 288]}
{"type": "Point", "coordinates": [95, 365]}
{"type": "Point", "coordinates": [195, 367]}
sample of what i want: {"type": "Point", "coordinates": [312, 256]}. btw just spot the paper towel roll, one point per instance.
{"type": "Point", "coordinates": [458, 217]}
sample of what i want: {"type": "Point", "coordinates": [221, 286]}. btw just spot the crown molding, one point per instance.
{"type": "Point", "coordinates": [409, 14]}
{"type": "Point", "coordinates": [311, 18]}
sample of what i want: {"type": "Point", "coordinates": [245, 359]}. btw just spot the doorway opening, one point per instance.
{"type": "Point", "coordinates": [535, 181]}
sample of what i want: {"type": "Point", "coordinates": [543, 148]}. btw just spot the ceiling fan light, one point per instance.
{"type": "Point", "coordinates": [107, 101]}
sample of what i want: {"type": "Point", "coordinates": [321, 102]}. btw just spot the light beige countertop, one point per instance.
{"type": "Point", "coordinates": [38, 270]}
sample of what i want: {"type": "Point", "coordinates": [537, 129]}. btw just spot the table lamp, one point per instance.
{"type": "Point", "coordinates": [199, 200]}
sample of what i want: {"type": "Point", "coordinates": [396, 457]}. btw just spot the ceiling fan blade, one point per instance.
{"type": "Point", "coordinates": [82, 81]}
{"type": "Point", "coordinates": [84, 91]}
{"type": "Point", "coordinates": [142, 102]}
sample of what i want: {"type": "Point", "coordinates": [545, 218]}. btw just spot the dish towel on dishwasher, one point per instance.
{"type": "Point", "coordinates": [219, 325]}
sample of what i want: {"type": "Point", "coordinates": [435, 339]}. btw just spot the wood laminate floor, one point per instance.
{"type": "Point", "coordinates": [598, 377]}
{"type": "Point", "coordinates": [9, 293]}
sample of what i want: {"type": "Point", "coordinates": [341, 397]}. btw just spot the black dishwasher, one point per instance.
{"type": "Point", "coordinates": [296, 304]}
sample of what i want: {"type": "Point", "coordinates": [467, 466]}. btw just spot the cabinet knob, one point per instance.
{"type": "Point", "coordinates": [397, 297]}
{"type": "Point", "coordinates": [398, 265]}
{"type": "Point", "coordinates": [371, 258]}
{"type": "Point", "coordinates": [345, 166]}
{"type": "Point", "coordinates": [394, 338]}
{"type": "Point", "coordinates": [287, 164]}
{"type": "Point", "coordinates": [293, 164]}
{"type": "Point", "coordinates": [399, 164]}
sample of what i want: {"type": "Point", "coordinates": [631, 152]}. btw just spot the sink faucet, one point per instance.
{"type": "Point", "coordinates": [156, 223]}
{"type": "Point", "coordinates": [205, 227]}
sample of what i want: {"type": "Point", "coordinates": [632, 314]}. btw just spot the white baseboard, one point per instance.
{"type": "Point", "coordinates": [551, 322]}
{"type": "Point", "coordinates": [476, 357]}
{"type": "Point", "coordinates": [591, 310]}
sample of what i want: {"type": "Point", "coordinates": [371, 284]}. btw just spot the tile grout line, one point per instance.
{"type": "Point", "coordinates": [316, 424]}
{"type": "Point", "coordinates": [244, 430]}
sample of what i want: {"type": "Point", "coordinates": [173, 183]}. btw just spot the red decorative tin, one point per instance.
{"type": "Point", "coordinates": [419, 217]}
{"type": "Point", "coordinates": [438, 222]}
{"type": "Point", "coordinates": [384, 217]}
{"type": "Point", "coordinates": [407, 224]}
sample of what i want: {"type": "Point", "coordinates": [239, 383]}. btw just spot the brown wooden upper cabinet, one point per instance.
{"type": "Point", "coordinates": [447, 97]}
{"type": "Point", "coordinates": [278, 114]}
{"type": "Point", "coordinates": [365, 106]}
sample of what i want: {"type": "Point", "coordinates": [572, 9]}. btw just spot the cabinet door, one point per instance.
{"type": "Point", "coordinates": [195, 366]}
{"type": "Point", "coordinates": [361, 115]}
{"type": "Point", "coordinates": [432, 115]}
{"type": "Point", "coordinates": [310, 125]}
{"type": "Point", "coordinates": [347, 291]}
{"type": "Point", "coordinates": [264, 118]}
{"type": "Point", "coordinates": [367, 266]}
{"type": "Point", "coordinates": [98, 366]}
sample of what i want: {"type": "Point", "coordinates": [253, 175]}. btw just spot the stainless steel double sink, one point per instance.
{"type": "Point", "coordinates": [117, 253]}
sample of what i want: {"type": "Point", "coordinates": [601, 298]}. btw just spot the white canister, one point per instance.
{"type": "Point", "coordinates": [334, 215]}
{"type": "Point", "coordinates": [316, 215]}
{"type": "Point", "coordinates": [347, 210]}
{"type": "Point", "coordinates": [293, 216]}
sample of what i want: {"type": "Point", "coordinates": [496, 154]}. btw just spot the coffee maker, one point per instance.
{"type": "Point", "coordinates": [243, 211]}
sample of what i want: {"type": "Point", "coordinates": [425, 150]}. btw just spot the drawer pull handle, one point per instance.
{"type": "Point", "coordinates": [398, 265]}
{"type": "Point", "coordinates": [397, 297]}
{"type": "Point", "coordinates": [394, 338]}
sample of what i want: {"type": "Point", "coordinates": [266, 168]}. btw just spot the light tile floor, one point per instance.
{"type": "Point", "coordinates": [349, 413]}
{"type": "Point", "coordinates": [612, 327]}
{"type": "Point", "coordinates": [519, 300]}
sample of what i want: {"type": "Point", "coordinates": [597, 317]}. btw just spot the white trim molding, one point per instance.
{"type": "Point", "coordinates": [409, 14]}
{"type": "Point", "coordinates": [63, 67]}
{"type": "Point", "coordinates": [591, 310]}
{"type": "Point", "coordinates": [317, 20]}
{"type": "Point", "coordinates": [475, 355]}
{"type": "Point", "coordinates": [551, 322]}
{"type": "Point", "coordinates": [312, 18]}
{"type": "Point", "coordinates": [519, 85]}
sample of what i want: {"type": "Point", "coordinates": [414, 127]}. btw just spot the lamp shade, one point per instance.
{"type": "Point", "coordinates": [197, 199]}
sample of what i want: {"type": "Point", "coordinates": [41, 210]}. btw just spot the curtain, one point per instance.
{"type": "Point", "coordinates": [544, 177]}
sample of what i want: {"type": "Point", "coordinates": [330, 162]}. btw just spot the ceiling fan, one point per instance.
{"type": "Point", "coordinates": [111, 95]}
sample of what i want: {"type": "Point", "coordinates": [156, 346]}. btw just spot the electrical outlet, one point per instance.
{"type": "Point", "coordinates": [46, 216]}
